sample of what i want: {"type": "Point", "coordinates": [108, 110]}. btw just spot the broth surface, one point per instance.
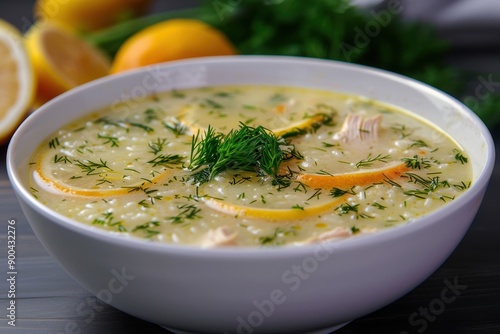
{"type": "Point", "coordinates": [350, 166]}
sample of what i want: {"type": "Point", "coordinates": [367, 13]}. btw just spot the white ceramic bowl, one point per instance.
{"type": "Point", "coordinates": [253, 290]}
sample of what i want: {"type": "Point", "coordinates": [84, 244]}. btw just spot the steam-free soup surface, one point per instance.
{"type": "Point", "coordinates": [248, 166]}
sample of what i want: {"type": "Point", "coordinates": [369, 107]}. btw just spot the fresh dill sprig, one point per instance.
{"type": "Point", "coordinates": [337, 192]}
{"type": "Point", "coordinates": [204, 149]}
{"type": "Point", "coordinates": [108, 220]}
{"type": "Point", "coordinates": [370, 160]}
{"type": "Point", "coordinates": [177, 128]}
{"type": "Point", "coordinates": [418, 143]}
{"type": "Point", "coordinates": [379, 206]}
{"type": "Point", "coordinates": [90, 167]}
{"type": "Point", "coordinates": [125, 124]}
{"type": "Point", "coordinates": [417, 162]}
{"type": "Point", "coordinates": [187, 211]}
{"type": "Point", "coordinates": [276, 238]}
{"type": "Point", "coordinates": [166, 160]}
{"type": "Point", "coordinates": [141, 126]}
{"type": "Point", "coordinates": [147, 228]}
{"type": "Point", "coordinates": [113, 141]}
{"type": "Point", "coordinates": [246, 148]}
{"type": "Point", "coordinates": [402, 130]}
{"type": "Point", "coordinates": [157, 146]}
{"type": "Point", "coordinates": [345, 208]}
{"type": "Point", "coordinates": [428, 185]}
{"type": "Point", "coordinates": [63, 159]}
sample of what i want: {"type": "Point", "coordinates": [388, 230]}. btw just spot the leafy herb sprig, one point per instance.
{"type": "Point", "coordinates": [247, 148]}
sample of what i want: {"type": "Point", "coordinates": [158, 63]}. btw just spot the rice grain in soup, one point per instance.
{"type": "Point", "coordinates": [249, 166]}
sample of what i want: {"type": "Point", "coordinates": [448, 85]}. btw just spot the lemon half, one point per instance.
{"type": "Point", "coordinates": [62, 60]}
{"type": "Point", "coordinates": [16, 80]}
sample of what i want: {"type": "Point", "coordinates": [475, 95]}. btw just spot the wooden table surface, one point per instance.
{"type": "Point", "coordinates": [49, 301]}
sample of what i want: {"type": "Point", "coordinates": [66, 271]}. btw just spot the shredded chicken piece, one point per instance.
{"type": "Point", "coordinates": [219, 237]}
{"type": "Point", "coordinates": [335, 234]}
{"type": "Point", "coordinates": [358, 128]}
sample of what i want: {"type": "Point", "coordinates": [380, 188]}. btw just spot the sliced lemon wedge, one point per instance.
{"type": "Point", "coordinates": [358, 178]}
{"type": "Point", "coordinates": [299, 126]}
{"type": "Point", "coordinates": [252, 196]}
{"type": "Point", "coordinates": [197, 117]}
{"type": "Point", "coordinates": [296, 212]}
{"type": "Point", "coordinates": [62, 60]}
{"type": "Point", "coordinates": [93, 176]}
{"type": "Point", "coordinates": [16, 80]}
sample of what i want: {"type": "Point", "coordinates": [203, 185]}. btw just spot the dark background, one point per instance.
{"type": "Point", "coordinates": [48, 299]}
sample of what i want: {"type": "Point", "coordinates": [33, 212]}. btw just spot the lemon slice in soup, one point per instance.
{"type": "Point", "coordinates": [363, 177]}
{"type": "Point", "coordinates": [281, 114]}
{"type": "Point", "coordinates": [295, 212]}
{"type": "Point", "coordinates": [100, 173]}
{"type": "Point", "coordinates": [246, 194]}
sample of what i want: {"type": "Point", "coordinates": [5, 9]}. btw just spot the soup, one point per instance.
{"type": "Point", "coordinates": [248, 166]}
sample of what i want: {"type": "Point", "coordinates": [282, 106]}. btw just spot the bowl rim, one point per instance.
{"type": "Point", "coordinates": [250, 252]}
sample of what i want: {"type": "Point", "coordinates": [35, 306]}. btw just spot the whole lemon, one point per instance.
{"type": "Point", "coordinates": [171, 40]}
{"type": "Point", "coordinates": [89, 15]}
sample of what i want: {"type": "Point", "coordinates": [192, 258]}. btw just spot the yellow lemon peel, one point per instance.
{"type": "Point", "coordinates": [62, 60]}
{"type": "Point", "coordinates": [358, 178]}
{"type": "Point", "coordinates": [298, 212]}
{"type": "Point", "coordinates": [171, 40]}
{"type": "Point", "coordinates": [17, 83]}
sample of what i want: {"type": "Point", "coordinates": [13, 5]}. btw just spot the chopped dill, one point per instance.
{"type": "Point", "coordinates": [141, 126]}
{"type": "Point", "coordinates": [177, 128]}
{"type": "Point", "coordinates": [460, 157]}
{"type": "Point", "coordinates": [62, 158]}
{"type": "Point", "coordinates": [417, 162]}
{"type": "Point", "coordinates": [212, 104]}
{"type": "Point", "coordinates": [166, 160]}
{"type": "Point", "coordinates": [276, 238]}
{"type": "Point", "coordinates": [150, 115]}
{"type": "Point", "coordinates": [90, 167]}
{"type": "Point", "coordinates": [370, 160]}
{"type": "Point", "coordinates": [379, 206]}
{"type": "Point", "coordinates": [108, 220]}
{"type": "Point", "coordinates": [418, 143]}
{"type": "Point", "coordinates": [113, 141]}
{"type": "Point", "coordinates": [336, 192]}
{"type": "Point", "coordinates": [345, 208]}
{"type": "Point", "coordinates": [147, 228]}
{"type": "Point", "coordinates": [53, 143]}
{"type": "Point", "coordinates": [462, 186]}
{"type": "Point", "coordinates": [187, 211]}
{"type": "Point", "coordinates": [157, 146]}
